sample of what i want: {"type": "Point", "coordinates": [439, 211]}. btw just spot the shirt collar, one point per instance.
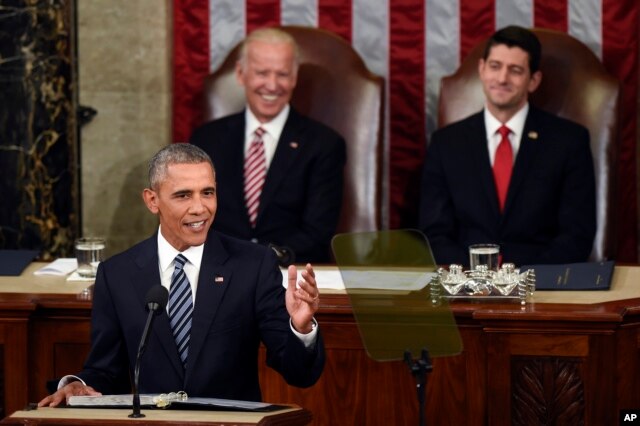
{"type": "Point", "coordinates": [167, 253]}
{"type": "Point", "coordinates": [273, 127]}
{"type": "Point", "coordinates": [515, 124]}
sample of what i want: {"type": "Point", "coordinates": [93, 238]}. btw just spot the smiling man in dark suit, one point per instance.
{"type": "Point", "coordinates": [534, 194]}
{"type": "Point", "coordinates": [233, 299]}
{"type": "Point", "coordinates": [291, 196]}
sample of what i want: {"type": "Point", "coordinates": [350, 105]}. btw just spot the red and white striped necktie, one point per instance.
{"type": "Point", "coordinates": [255, 171]}
{"type": "Point", "coordinates": [502, 165]}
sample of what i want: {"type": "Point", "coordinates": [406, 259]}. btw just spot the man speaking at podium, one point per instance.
{"type": "Point", "coordinates": [225, 297]}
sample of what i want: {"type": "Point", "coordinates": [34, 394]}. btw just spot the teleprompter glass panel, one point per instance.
{"type": "Point", "coordinates": [387, 275]}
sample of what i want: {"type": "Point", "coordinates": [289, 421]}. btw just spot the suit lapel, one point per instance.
{"type": "Point", "coordinates": [213, 281]}
{"type": "Point", "coordinates": [480, 163]}
{"type": "Point", "coordinates": [525, 157]}
{"type": "Point", "coordinates": [233, 167]}
{"type": "Point", "coordinates": [289, 145]}
{"type": "Point", "coordinates": [147, 275]}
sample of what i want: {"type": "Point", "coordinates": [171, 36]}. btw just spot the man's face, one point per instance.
{"type": "Point", "coordinates": [185, 203]}
{"type": "Point", "coordinates": [507, 79]}
{"type": "Point", "coordinates": [269, 76]}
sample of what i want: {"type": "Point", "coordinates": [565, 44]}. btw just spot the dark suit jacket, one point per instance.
{"type": "Point", "coordinates": [230, 319]}
{"type": "Point", "coordinates": [302, 195]}
{"type": "Point", "coordinates": [550, 214]}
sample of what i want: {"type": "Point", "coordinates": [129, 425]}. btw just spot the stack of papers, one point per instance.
{"type": "Point", "coordinates": [150, 400]}
{"type": "Point", "coordinates": [59, 267]}
{"type": "Point", "coordinates": [62, 267]}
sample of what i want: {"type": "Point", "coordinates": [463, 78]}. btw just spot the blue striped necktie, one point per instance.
{"type": "Point", "coordinates": [180, 308]}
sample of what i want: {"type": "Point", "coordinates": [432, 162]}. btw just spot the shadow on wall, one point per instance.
{"type": "Point", "coordinates": [132, 222]}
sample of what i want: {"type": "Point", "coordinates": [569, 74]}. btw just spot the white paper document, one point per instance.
{"type": "Point", "coordinates": [153, 400]}
{"type": "Point", "coordinates": [59, 267]}
{"type": "Point", "coordinates": [376, 279]}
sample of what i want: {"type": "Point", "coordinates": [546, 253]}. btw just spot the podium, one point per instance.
{"type": "Point", "coordinates": [293, 416]}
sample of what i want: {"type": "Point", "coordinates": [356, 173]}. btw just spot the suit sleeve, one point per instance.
{"type": "Point", "coordinates": [298, 365]}
{"type": "Point", "coordinates": [437, 218]}
{"type": "Point", "coordinates": [106, 367]}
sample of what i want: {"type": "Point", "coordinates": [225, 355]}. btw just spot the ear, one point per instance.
{"type": "Point", "coordinates": [239, 73]}
{"type": "Point", "coordinates": [480, 65]}
{"type": "Point", "coordinates": [536, 78]}
{"type": "Point", "coordinates": [150, 198]}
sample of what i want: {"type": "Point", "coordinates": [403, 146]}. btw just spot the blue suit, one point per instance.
{"type": "Point", "coordinates": [239, 303]}
{"type": "Point", "coordinates": [550, 213]}
{"type": "Point", "coordinates": [302, 195]}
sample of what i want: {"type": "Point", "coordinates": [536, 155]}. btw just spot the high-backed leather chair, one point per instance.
{"type": "Point", "coordinates": [335, 88]}
{"type": "Point", "coordinates": [574, 85]}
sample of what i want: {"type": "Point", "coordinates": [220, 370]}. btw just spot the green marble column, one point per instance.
{"type": "Point", "coordinates": [38, 132]}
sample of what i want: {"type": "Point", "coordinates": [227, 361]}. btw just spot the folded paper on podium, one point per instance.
{"type": "Point", "coordinates": [386, 275]}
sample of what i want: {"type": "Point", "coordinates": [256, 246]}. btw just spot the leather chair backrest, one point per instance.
{"type": "Point", "coordinates": [335, 88]}
{"type": "Point", "coordinates": [574, 85]}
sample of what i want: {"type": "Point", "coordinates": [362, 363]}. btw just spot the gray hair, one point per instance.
{"type": "Point", "coordinates": [269, 35]}
{"type": "Point", "coordinates": [175, 153]}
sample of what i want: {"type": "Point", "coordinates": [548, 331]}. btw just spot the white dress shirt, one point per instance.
{"type": "Point", "coordinates": [515, 124]}
{"type": "Point", "coordinates": [273, 131]}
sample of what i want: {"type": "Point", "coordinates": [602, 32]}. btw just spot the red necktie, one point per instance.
{"type": "Point", "coordinates": [255, 171]}
{"type": "Point", "coordinates": [502, 165]}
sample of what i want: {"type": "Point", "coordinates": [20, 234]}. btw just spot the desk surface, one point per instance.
{"type": "Point", "coordinates": [84, 416]}
{"type": "Point", "coordinates": [625, 285]}
{"type": "Point", "coordinates": [27, 283]}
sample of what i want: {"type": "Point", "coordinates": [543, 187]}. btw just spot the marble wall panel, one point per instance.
{"type": "Point", "coordinates": [38, 179]}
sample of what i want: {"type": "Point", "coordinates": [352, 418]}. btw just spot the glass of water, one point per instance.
{"type": "Point", "coordinates": [484, 254]}
{"type": "Point", "coordinates": [89, 253]}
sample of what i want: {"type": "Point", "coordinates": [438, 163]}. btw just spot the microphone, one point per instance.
{"type": "Point", "coordinates": [285, 255]}
{"type": "Point", "coordinates": [155, 302]}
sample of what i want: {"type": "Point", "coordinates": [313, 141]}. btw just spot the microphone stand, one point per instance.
{"type": "Point", "coordinates": [419, 369]}
{"type": "Point", "coordinates": [143, 345]}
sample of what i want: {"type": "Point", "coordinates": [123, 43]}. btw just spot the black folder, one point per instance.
{"type": "Point", "coordinates": [573, 276]}
{"type": "Point", "coordinates": [13, 262]}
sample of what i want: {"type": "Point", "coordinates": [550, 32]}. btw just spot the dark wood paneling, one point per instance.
{"type": "Point", "coordinates": [548, 363]}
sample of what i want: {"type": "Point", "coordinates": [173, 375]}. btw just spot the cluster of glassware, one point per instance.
{"type": "Point", "coordinates": [482, 281]}
{"type": "Point", "coordinates": [165, 399]}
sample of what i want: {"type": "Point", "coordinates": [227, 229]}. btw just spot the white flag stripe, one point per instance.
{"type": "Point", "coordinates": [442, 56]}
{"type": "Point", "coordinates": [227, 28]}
{"type": "Point", "coordinates": [514, 12]}
{"type": "Point", "coordinates": [370, 34]}
{"type": "Point", "coordinates": [299, 12]}
{"type": "Point", "coordinates": [585, 23]}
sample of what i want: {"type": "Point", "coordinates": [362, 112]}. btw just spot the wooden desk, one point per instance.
{"type": "Point", "coordinates": [568, 357]}
{"type": "Point", "coordinates": [100, 417]}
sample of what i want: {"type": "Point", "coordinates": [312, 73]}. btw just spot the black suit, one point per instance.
{"type": "Point", "coordinates": [549, 215]}
{"type": "Point", "coordinates": [302, 195]}
{"type": "Point", "coordinates": [232, 314]}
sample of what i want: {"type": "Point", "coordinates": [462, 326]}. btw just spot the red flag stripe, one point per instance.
{"type": "Point", "coordinates": [336, 16]}
{"type": "Point", "coordinates": [620, 39]}
{"type": "Point", "coordinates": [406, 100]}
{"type": "Point", "coordinates": [262, 13]}
{"type": "Point", "coordinates": [551, 14]}
{"type": "Point", "coordinates": [477, 22]}
{"type": "Point", "coordinates": [190, 64]}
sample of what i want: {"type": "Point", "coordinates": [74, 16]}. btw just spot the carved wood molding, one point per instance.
{"type": "Point", "coordinates": [547, 391]}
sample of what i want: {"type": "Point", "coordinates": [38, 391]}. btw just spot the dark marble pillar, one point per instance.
{"type": "Point", "coordinates": [38, 132]}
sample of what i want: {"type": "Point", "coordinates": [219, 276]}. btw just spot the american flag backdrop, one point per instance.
{"type": "Point", "coordinates": [412, 44]}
